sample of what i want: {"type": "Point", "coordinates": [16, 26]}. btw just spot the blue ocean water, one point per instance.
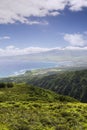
{"type": "Point", "coordinates": [8, 68]}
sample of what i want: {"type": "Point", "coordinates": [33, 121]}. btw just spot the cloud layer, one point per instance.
{"type": "Point", "coordinates": [12, 11]}
{"type": "Point", "coordinates": [13, 51]}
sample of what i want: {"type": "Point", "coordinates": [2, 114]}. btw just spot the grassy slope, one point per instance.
{"type": "Point", "coordinates": [25, 107]}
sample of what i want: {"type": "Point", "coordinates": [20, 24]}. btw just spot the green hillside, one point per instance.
{"type": "Point", "coordinates": [23, 92]}
{"type": "Point", "coordinates": [24, 107]}
{"type": "Point", "coordinates": [66, 82]}
{"type": "Point", "coordinates": [71, 83]}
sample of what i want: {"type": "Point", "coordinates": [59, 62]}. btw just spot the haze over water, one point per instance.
{"type": "Point", "coordinates": [19, 67]}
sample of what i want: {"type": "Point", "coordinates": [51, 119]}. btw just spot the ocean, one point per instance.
{"type": "Point", "coordinates": [8, 68]}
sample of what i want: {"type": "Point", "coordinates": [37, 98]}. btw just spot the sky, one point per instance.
{"type": "Point", "coordinates": [31, 26]}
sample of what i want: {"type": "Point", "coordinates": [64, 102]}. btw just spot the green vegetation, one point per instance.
{"type": "Point", "coordinates": [71, 82]}
{"type": "Point", "coordinates": [24, 107]}
{"type": "Point", "coordinates": [23, 92]}
{"type": "Point", "coordinates": [6, 85]}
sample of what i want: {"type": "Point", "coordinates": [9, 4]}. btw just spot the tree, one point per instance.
{"type": "Point", "coordinates": [10, 85]}
{"type": "Point", "coordinates": [2, 85]}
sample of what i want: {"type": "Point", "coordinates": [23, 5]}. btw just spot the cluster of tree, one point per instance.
{"type": "Point", "coordinates": [6, 85]}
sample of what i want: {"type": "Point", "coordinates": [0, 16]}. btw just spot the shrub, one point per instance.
{"type": "Point", "coordinates": [2, 85]}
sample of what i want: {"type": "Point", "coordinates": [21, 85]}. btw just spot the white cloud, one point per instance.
{"type": "Point", "coordinates": [13, 51]}
{"type": "Point", "coordinates": [12, 11]}
{"type": "Point", "coordinates": [75, 39]}
{"type": "Point", "coordinates": [5, 38]}
{"type": "Point", "coordinates": [77, 5]}
{"type": "Point", "coordinates": [75, 48]}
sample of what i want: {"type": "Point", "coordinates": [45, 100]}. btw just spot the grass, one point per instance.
{"type": "Point", "coordinates": [26, 107]}
{"type": "Point", "coordinates": [43, 116]}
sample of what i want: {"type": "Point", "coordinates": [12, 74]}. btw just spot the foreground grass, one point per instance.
{"type": "Point", "coordinates": [28, 108]}
{"type": "Point", "coordinates": [43, 116]}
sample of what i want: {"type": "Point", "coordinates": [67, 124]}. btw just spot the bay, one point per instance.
{"type": "Point", "coordinates": [8, 68]}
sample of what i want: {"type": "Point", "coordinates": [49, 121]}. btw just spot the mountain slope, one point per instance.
{"type": "Point", "coordinates": [72, 83]}
{"type": "Point", "coordinates": [66, 82]}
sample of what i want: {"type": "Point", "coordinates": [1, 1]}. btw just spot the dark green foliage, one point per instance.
{"type": "Point", "coordinates": [6, 85]}
{"type": "Point", "coordinates": [2, 85]}
{"type": "Point", "coordinates": [9, 85]}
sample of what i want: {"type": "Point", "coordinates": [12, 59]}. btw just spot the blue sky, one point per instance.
{"type": "Point", "coordinates": [28, 26]}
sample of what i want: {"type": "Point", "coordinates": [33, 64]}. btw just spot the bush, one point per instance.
{"type": "Point", "coordinates": [10, 85]}
{"type": "Point", "coordinates": [2, 85]}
